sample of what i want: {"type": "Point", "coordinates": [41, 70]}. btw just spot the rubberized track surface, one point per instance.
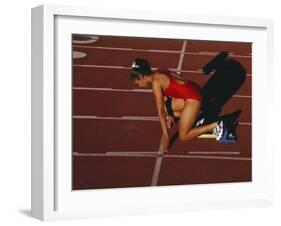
{"type": "Point", "coordinates": [116, 131]}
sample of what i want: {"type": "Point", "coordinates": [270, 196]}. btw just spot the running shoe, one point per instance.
{"type": "Point", "coordinates": [219, 130]}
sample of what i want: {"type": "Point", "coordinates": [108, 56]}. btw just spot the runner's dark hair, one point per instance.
{"type": "Point", "coordinates": [140, 67]}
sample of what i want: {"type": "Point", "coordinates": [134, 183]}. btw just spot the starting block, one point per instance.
{"type": "Point", "coordinates": [228, 137]}
{"type": "Point", "coordinates": [208, 136]}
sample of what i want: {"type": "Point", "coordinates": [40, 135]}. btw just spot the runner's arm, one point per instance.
{"type": "Point", "coordinates": [159, 99]}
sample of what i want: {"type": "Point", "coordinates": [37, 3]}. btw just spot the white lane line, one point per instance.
{"type": "Point", "coordinates": [154, 118]}
{"type": "Point", "coordinates": [132, 154]}
{"type": "Point", "coordinates": [135, 90]}
{"type": "Point", "coordinates": [245, 123]}
{"type": "Point", "coordinates": [207, 157]}
{"type": "Point", "coordinates": [198, 71]}
{"type": "Point", "coordinates": [158, 164]}
{"type": "Point", "coordinates": [190, 152]}
{"type": "Point", "coordinates": [159, 159]}
{"type": "Point", "coordinates": [128, 49]}
{"type": "Point", "coordinates": [100, 66]}
{"type": "Point", "coordinates": [212, 53]}
{"type": "Point", "coordinates": [230, 54]}
{"type": "Point", "coordinates": [109, 66]}
{"type": "Point", "coordinates": [113, 90]}
{"type": "Point", "coordinates": [242, 96]}
{"type": "Point", "coordinates": [214, 152]}
{"type": "Point", "coordinates": [161, 51]}
{"type": "Point", "coordinates": [92, 39]}
{"type": "Point", "coordinates": [134, 118]}
{"type": "Point", "coordinates": [78, 55]}
{"type": "Point", "coordinates": [182, 56]}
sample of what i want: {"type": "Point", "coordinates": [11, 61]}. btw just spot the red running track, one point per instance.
{"type": "Point", "coordinates": [116, 132]}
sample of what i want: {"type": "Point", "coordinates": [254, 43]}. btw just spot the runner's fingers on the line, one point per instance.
{"type": "Point", "coordinates": [170, 121]}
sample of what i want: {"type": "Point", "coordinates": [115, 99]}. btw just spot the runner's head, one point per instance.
{"type": "Point", "coordinates": [140, 71]}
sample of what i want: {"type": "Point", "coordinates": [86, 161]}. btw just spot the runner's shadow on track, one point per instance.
{"type": "Point", "coordinates": [227, 77]}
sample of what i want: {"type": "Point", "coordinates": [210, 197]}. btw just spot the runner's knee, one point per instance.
{"type": "Point", "coordinates": [184, 136]}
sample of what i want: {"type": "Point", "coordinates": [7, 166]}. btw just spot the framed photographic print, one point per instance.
{"type": "Point", "coordinates": [137, 112]}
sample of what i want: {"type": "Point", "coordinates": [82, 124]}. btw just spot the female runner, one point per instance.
{"type": "Point", "coordinates": [164, 83]}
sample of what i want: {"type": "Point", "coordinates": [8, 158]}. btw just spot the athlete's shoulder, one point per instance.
{"type": "Point", "coordinates": [156, 75]}
{"type": "Point", "coordinates": [162, 72]}
{"type": "Point", "coordinates": [160, 79]}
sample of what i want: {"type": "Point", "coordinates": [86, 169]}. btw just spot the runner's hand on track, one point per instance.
{"type": "Point", "coordinates": [165, 143]}
{"type": "Point", "coordinates": [170, 121]}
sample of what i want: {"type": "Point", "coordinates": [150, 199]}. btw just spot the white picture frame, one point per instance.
{"type": "Point", "coordinates": [52, 197]}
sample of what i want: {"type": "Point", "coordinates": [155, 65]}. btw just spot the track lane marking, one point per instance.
{"type": "Point", "coordinates": [159, 159]}
{"type": "Point", "coordinates": [157, 166]}
{"type": "Point", "coordinates": [214, 152]}
{"type": "Point", "coordinates": [137, 118]}
{"type": "Point", "coordinates": [198, 71]}
{"type": "Point", "coordinates": [182, 56]}
{"type": "Point", "coordinates": [135, 90]}
{"type": "Point", "coordinates": [161, 51]}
